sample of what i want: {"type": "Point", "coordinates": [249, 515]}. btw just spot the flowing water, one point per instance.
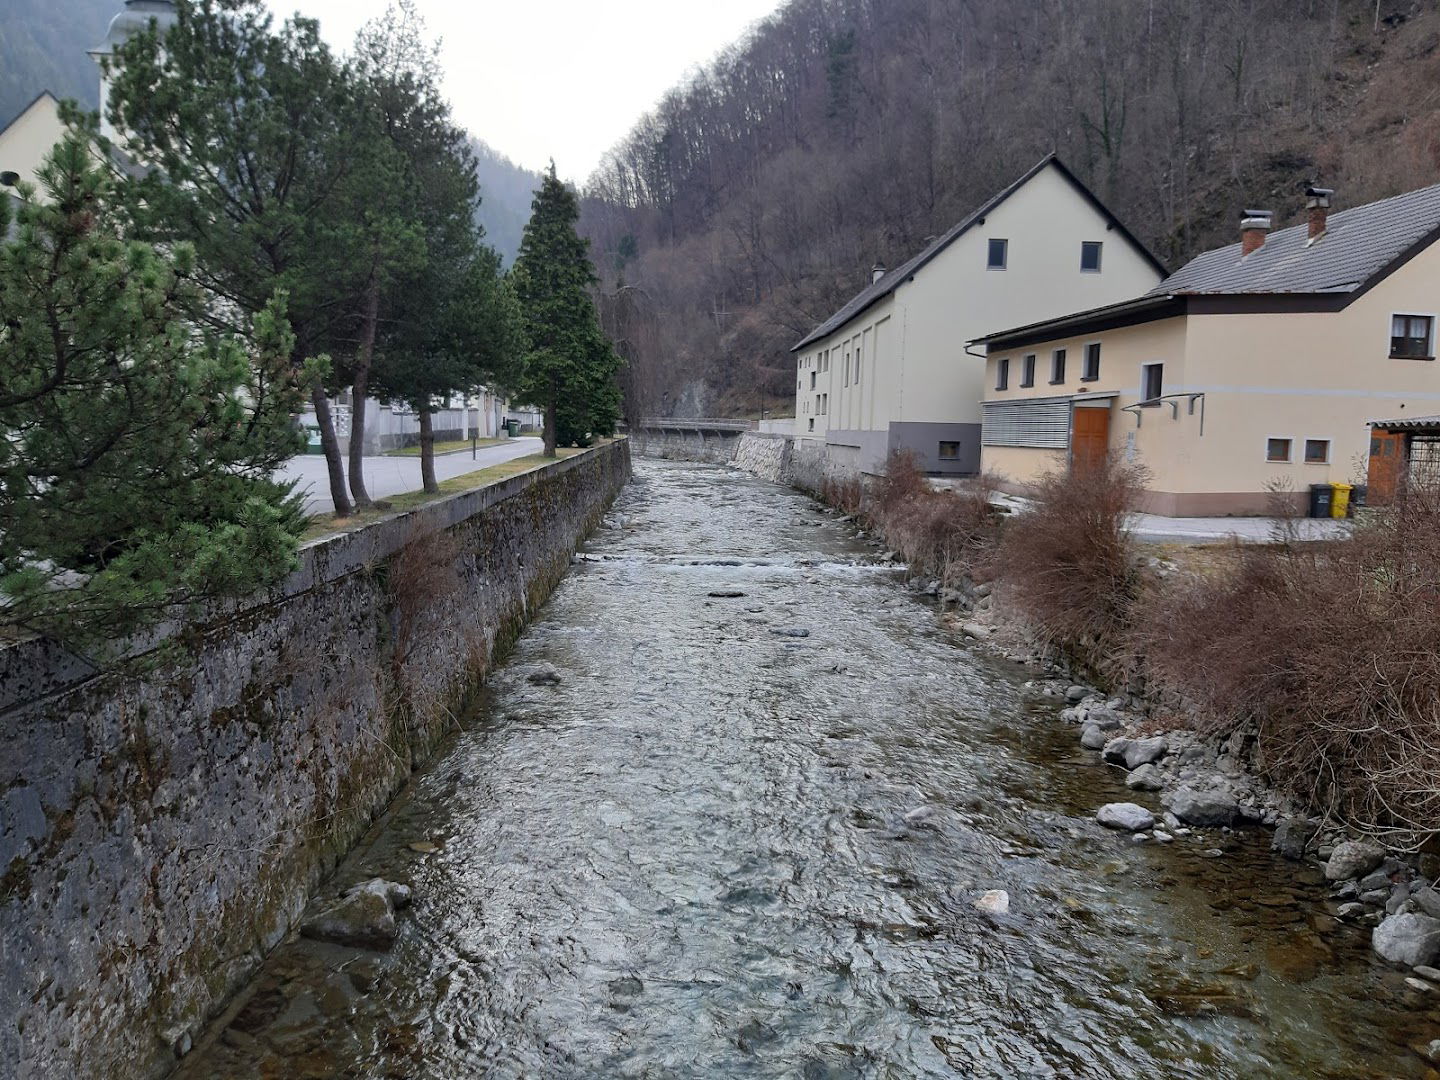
{"type": "Point", "coordinates": [689, 858]}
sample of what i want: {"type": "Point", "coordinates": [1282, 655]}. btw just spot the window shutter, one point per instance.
{"type": "Point", "coordinates": [1043, 424]}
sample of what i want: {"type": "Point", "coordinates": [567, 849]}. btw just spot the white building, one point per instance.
{"type": "Point", "coordinates": [890, 370]}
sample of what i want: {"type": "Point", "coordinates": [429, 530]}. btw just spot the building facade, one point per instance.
{"type": "Point", "coordinates": [890, 370]}
{"type": "Point", "coordinates": [1251, 373]}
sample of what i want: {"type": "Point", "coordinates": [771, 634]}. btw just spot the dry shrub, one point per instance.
{"type": "Point", "coordinates": [947, 534]}
{"type": "Point", "coordinates": [846, 495]}
{"type": "Point", "coordinates": [1330, 654]}
{"type": "Point", "coordinates": [1068, 566]}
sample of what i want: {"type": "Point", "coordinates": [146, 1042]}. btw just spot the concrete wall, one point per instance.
{"type": "Point", "coordinates": [161, 829]}
{"type": "Point", "coordinates": [716, 447]}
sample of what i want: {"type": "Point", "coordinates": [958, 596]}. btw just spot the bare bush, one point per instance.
{"type": "Point", "coordinates": [1068, 566]}
{"type": "Point", "coordinates": [1330, 654]}
{"type": "Point", "coordinates": [948, 534]}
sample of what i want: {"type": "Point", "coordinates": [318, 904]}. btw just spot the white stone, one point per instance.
{"type": "Point", "coordinates": [1126, 816]}
{"type": "Point", "coordinates": [994, 902]}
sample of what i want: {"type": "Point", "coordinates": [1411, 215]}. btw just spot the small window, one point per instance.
{"type": "Point", "coordinates": [1317, 451]}
{"type": "Point", "coordinates": [1152, 384]}
{"type": "Point", "coordinates": [825, 404]}
{"type": "Point", "coordinates": [812, 423]}
{"type": "Point", "coordinates": [1057, 367]}
{"type": "Point", "coordinates": [1410, 337]}
{"type": "Point", "coordinates": [998, 252]}
{"type": "Point", "coordinates": [949, 451]}
{"type": "Point", "coordinates": [1090, 256]}
{"type": "Point", "coordinates": [1092, 362]}
{"type": "Point", "coordinates": [1027, 370]}
{"type": "Point", "coordinates": [1002, 373]}
{"type": "Point", "coordinates": [859, 352]}
{"type": "Point", "coordinates": [1277, 449]}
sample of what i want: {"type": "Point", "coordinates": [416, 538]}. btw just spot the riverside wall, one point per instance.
{"type": "Point", "coordinates": [161, 828]}
{"type": "Point", "coordinates": [801, 463]}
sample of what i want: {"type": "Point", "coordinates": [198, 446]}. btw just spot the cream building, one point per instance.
{"type": "Point", "coordinates": [1255, 367]}
{"type": "Point", "coordinates": [890, 370]}
{"type": "Point", "coordinates": [27, 138]}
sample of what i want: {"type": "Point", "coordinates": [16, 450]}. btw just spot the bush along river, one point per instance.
{"type": "Point", "coordinates": [740, 805]}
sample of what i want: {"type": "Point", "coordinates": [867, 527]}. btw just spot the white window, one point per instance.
{"type": "Point", "coordinates": [997, 254]}
{"type": "Point", "coordinates": [1412, 337]}
{"type": "Point", "coordinates": [1152, 381]}
{"type": "Point", "coordinates": [1317, 451]}
{"type": "Point", "coordinates": [1277, 449]}
{"type": "Point", "coordinates": [1090, 256]}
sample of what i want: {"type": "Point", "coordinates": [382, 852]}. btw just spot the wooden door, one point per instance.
{"type": "Point", "coordinates": [1089, 438]}
{"type": "Point", "coordinates": [1387, 464]}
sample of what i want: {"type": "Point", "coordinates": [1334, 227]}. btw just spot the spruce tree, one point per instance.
{"type": "Point", "coordinates": [569, 367]}
{"type": "Point", "coordinates": [136, 450]}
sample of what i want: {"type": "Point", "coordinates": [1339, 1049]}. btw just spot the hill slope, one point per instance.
{"type": "Point", "coordinates": [505, 193]}
{"type": "Point", "coordinates": [42, 47]}
{"type": "Point", "coordinates": [753, 201]}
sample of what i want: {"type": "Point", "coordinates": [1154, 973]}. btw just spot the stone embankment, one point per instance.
{"type": "Point", "coordinates": [162, 828]}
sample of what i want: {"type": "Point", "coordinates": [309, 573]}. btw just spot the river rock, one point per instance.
{"type": "Point", "coordinates": [1353, 859]}
{"type": "Point", "coordinates": [1292, 836]}
{"type": "Point", "coordinates": [364, 916]}
{"type": "Point", "coordinates": [975, 630]}
{"type": "Point", "coordinates": [1428, 973]}
{"type": "Point", "coordinates": [1428, 901]}
{"type": "Point", "coordinates": [1127, 816]}
{"type": "Point", "coordinates": [994, 902]}
{"type": "Point", "coordinates": [1105, 718]}
{"type": "Point", "coordinates": [1092, 738]}
{"type": "Point", "coordinates": [1116, 749]}
{"type": "Point", "coordinates": [1207, 808]}
{"type": "Point", "coordinates": [1352, 910]}
{"type": "Point", "coordinates": [1409, 938]}
{"type": "Point", "coordinates": [1076, 694]}
{"type": "Point", "coordinates": [1145, 778]}
{"type": "Point", "coordinates": [544, 675]}
{"type": "Point", "coordinates": [1145, 751]}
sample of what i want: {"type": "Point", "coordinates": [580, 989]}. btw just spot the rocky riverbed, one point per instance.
{"type": "Point", "coordinates": [741, 804]}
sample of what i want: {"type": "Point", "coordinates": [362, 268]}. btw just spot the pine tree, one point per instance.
{"type": "Point", "coordinates": [136, 450]}
{"type": "Point", "coordinates": [569, 367]}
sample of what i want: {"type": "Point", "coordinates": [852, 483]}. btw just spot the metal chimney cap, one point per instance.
{"type": "Point", "coordinates": [9, 179]}
{"type": "Point", "coordinates": [1318, 192]}
{"type": "Point", "coordinates": [1264, 215]}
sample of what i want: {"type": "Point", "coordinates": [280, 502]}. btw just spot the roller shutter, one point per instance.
{"type": "Point", "coordinates": [1044, 424]}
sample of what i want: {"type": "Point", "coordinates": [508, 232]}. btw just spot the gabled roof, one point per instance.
{"type": "Point", "coordinates": [33, 102]}
{"type": "Point", "coordinates": [893, 279]}
{"type": "Point", "coordinates": [1357, 245]}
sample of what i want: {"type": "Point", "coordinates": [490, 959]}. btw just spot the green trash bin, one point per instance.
{"type": "Point", "coordinates": [513, 427]}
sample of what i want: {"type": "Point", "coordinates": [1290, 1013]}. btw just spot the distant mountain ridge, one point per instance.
{"type": "Point", "coordinates": [43, 46]}
{"type": "Point", "coordinates": [505, 193]}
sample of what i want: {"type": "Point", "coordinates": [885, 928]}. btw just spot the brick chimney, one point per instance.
{"type": "Point", "coordinates": [1254, 226]}
{"type": "Point", "coordinates": [1317, 209]}
{"type": "Point", "coordinates": [877, 272]}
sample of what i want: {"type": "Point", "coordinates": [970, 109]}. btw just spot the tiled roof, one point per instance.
{"type": "Point", "coordinates": [1357, 244]}
{"type": "Point", "coordinates": [893, 279]}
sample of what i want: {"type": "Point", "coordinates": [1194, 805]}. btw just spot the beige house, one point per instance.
{"type": "Point", "coordinates": [27, 138]}
{"type": "Point", "coordinates": [889, 370]}
{"type": "Point", "coordinates": [1255, 366]}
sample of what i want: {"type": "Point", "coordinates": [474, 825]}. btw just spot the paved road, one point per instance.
{"type": "Point", "coordinates": [393, 475]}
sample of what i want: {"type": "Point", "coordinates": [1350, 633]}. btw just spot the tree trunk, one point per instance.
{"type": "Point", "coordinates": [550, 411]}
{"type": "Point", "coordinates": [359, 389]}
{"type": "Point", "coordinates": [427, 450]}
{"type": "Point", "coordinates": [331, 445]}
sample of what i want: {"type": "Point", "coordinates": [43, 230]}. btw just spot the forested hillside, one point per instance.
{"type": "Point", "coordinates": [42, 47]}
{"type": "Point", "coordinates": [754, 199]}
{"type": "Point", "coordinates": [505, 193]}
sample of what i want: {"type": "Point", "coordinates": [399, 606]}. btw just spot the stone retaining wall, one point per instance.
{"type": "Point", "coordinates": [160, 831]}
{"type": "Point", "coordinates": [715, 447]}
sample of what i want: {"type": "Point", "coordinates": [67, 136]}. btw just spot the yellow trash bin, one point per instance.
{"type": "Point", "coordinates": [1340, 501]}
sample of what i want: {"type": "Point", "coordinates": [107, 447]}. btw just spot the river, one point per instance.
{"type": "Point", "coordinates": [689, 857]}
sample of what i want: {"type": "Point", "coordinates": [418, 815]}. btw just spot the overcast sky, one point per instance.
{"type": "Point", "coordinates": [556, 78]}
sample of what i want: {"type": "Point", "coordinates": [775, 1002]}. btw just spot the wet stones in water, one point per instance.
{"type": "Point", "coordinates": [1127, 817]}
{"type": "Point", "coordinates": [754, 1034]}
{"type": "Point", "coordinates": [725, 594]}
{"type": "Point", "coordinates": [543, 675]}
{"type": "Point", "coordinates": [993, 902]}
{"type": "Point", "coordinates": [1093, 738]}
{"type": "Point", "coordinates": [364, 917]}
{"type": "Point", "coordinates": [1076, 694]}
{"type": "Point", "coordinates": [791, 632]}
{"type": "Point", "coordinates": [1353, 859]}
{"type": "Point", "coordinates": [1145, 751]}
{"type": "Point", "coordinates": [624, 991]}
{"type": "Point", "coordinates": [1292, 837]}
{"type": "Point", "coordinates": [1145, 778]}
{"type": "Point", "coordinates": [1409, 938]}
{"type": "Point", "coordinates": [1210, 809]}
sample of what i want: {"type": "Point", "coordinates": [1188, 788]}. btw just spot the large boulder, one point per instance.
{"type": "Point", "coordinates": [1409, 938]}
{"type": "Point", "coordinates": [1206, 808]}
{"type": "Point", "coordinates": [1353, 859]}
{"type": "Point", "coordinates": [1116, 749]}
{"type": "Point", "coordinates": [1093, 738]}
{"type": "Point", "coordinates": [364, 917]}
{"type": "Point", "coordinates": [1145, 778]}
{"type": "Point", "coordinates": [1126, 816]}
{"type": "Point", "coordinates": [1145, 751]}
{"type": "Point", "coordinates": [1291, 837]}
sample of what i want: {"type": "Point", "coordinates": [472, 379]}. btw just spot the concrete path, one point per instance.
{"type": "Point", "coordinates": [392, 475]}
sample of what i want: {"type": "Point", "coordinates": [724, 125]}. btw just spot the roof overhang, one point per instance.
{"type": "Point", "coordinates": [1429, 424]}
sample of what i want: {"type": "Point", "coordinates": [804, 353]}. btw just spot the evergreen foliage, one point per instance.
{"type": "Point", "coordinates": [136, 450]}
{"type": "Point", "coordinates": [570, 367]}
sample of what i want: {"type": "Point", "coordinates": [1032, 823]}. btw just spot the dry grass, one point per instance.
{"type": "Point", "coordinates": [948, 534]}
{"type": "Point", "coordinates": [1329, 654]}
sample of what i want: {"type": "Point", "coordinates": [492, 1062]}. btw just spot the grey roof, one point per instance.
{"type": "Point", "coordinates": [893, 279]}
{"type": "Point", "coordinates": [1409, 423]}
{"type": "Point", "coordinates": [1357, 245]}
